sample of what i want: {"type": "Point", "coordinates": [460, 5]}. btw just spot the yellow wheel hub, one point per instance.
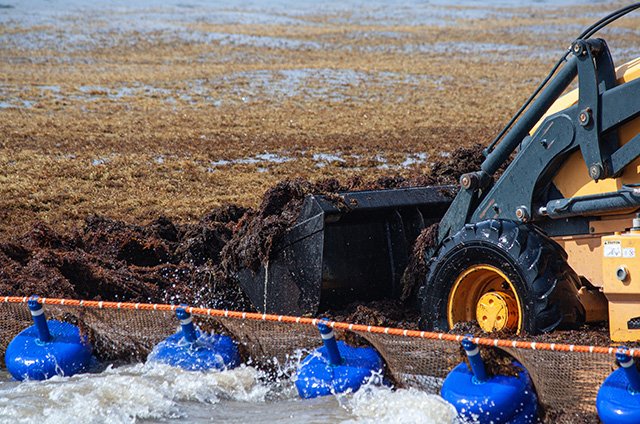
{"type": "Point", "coordinates": [496, 311]}
{"type": "Point", "coordinates": [485, 294]}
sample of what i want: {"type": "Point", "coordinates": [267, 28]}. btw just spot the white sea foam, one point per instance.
{"type": "Point", "coordinates": [374, 404]}
{"type": "Point", "coordinates": [156, 393]}
{"type": "Point", "coordinates": [125, 394]}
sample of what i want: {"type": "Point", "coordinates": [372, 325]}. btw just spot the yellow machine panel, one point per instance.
{"type": "Point", "coordinates": [621, 283]}
{"type": "Point", "coordinates": [573, 177]}
{"type": "Point", "coordinates": [585, 251]}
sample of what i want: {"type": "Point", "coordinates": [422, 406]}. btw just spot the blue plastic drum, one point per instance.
{"type": "Point", "coordinates": [194, 350]}
{"type": "Point", "coordinates": [336, 367]}
{"type": "Point", "coordinates": [618, 400]}
{"type": "Point", "coordinates": [499, 399]}
{"type": "Point", "coordinates": [47, 349]}
{"type": "Point", "coordinates": [209, 351]}
{"type": "Point", "coordinates": [483, 399]}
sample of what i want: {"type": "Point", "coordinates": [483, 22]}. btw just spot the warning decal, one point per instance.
{"type": "Point", "coordinates": [613, 249]}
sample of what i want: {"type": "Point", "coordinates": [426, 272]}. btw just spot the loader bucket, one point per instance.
{"type": "Point", "coordinates": [352, 246]}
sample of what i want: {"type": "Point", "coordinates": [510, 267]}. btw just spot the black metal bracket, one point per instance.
{"type": "Point", "coordinates": [591, 126]}
{"type": "Point", "coordinates": [596, 74]}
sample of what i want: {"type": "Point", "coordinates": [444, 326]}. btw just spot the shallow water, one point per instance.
{"type": "Point", "coordinates": [61, 25]}
{"type": "Point", "coordinates": [158, 393]}
{"type": "Point", "coordinates": [70, 32]}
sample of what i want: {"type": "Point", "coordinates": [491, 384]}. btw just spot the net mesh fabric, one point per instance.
{"type": "Point", "coordinates": [563, 380]}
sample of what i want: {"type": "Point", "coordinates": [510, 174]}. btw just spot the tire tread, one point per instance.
{"type": "Point", "coordinates": [548, 282]}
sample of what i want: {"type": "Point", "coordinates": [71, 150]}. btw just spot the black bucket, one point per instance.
{"type": "Point", "coordinates": [355, 246]}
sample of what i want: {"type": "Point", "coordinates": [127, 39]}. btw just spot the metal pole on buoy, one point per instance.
{"type": "Point", "coordinates": [186, 321]}
{"type": "Point", "coordinates": [329, 340]}
{"type": "Point", "coordinates": [475, 360]}
{"type": "Point", "coordinates": [630, 370]}
{"type": "Point", "coordinates": [39, 320]}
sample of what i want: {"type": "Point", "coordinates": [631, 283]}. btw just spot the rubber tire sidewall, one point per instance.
{"type": "Point", "coordinates": [546, 286]}
{"type": "Point", "coordinates": [475, 253]}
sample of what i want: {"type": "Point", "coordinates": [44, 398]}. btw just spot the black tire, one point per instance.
{"type": "Point", "coordinates": [536, 265]}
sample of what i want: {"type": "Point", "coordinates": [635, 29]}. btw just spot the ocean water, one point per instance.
{"type": "Point", "coordinates": [153, 393]}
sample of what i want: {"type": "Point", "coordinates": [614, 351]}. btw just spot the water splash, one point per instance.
{"type": "Point", "coordinates": [126, 394]}
{"type": "Point", "coordinates": [380, 404]}
{"type": "Point", "coordinates": [159, 393]}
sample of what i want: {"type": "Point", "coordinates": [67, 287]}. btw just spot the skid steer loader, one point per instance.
{"type": "Point", "coordinates": [551, 243]}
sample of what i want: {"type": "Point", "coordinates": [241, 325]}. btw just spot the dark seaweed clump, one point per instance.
{"type": "Point", "coordinates": [163, 261]}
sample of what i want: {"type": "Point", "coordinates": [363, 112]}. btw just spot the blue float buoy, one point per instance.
{"type": "Point", "coordinates": [194, 350]}
{"type": "Point", "coordinates": [618, 400]}
{"type": "Point", "coordinates": [336, 367]}
{"type": "Point", "coordinates": [47, 348]}
{"type": "Point", "coordinates": [483, 399]}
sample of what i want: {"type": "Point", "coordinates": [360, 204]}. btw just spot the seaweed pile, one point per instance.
{"type": "Point", "coordinates": [163, 261]}
{"type": "Point", "coordinates": [112, 260]}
